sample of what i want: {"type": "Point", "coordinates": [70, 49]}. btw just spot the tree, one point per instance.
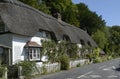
{"type": "Point", "coordinates": [32, 3]}
{"type": "Point", "coordinates": [70, 15]}
{"type": "Point", "coordinates": [115, 40]}
{"type": "Point", "coordinates": [100, 38]}
{"type": "Point", "coordinates": [89, 20]}
{"type": "Point", "coordinates": [57, 5]}
{"type": "Point", "coordinates": [38, 4]}
{"type": "Point", "coordinates": [66, 8]}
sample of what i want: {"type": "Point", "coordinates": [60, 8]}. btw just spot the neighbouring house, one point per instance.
{"type": "Point", "coordinates": [22, 29]}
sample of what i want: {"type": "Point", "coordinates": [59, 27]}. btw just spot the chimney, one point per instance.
{"type": "Point", "coordinates": [57, 16]}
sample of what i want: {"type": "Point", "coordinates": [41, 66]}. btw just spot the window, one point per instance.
{"type": "Point", "coordinates": [34, 54]}
{"type": "Point", "coordinates": [82, 42]}
{"type": "Point", "coordinates": [43, 34]}
{"type": "Point", "coordinates": [89, 43]}
{"type": "Point", "coordinates": [48, 35]}
{"type": "Point", "coordinates": [66, 38]}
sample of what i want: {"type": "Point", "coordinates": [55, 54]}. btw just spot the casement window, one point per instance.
{"type": "Point", "coordinates": [34, 53]}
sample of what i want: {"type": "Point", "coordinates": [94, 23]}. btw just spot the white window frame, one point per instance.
{"type": "Point", "coordinates": [34, 54]}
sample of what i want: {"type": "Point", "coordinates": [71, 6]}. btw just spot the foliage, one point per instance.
{"type": "Point", "coordinates": [102, 59]}
{"type": "Point", "coordinates": [13, 72]}
{"type": "Point", "coordinates": [27, 67]}
{"type": "Point", "coordinates": [78, 65]}
{"type": "Point", "coordinates": [44, 70]}
{"type": "Point", "coordinates": [114, 42]}
{"type": "Point", "coordinates": [86, 52]}
{"type": "Point", "coordinates": [89, 20]}
{"type": "Point", "coordinates": [70, 15]}
{"type": "Point", "coordinates": [2, 71]}
{"type": "Point", "coordinates": [54, 51]}
{"type": "Point", "coordinates": [62, 48]}
{"type": "Point", "coordinates": [49, 50]}
{"type": "Point", "coordinates": [100, 39]}
{"type": "Point", "coordinates": [64, 61]}
{"type": "Point", "coordinates": [97, 60]}
{"type": "Point", "coordinates": [38, 4]}
{"type": "Point", "coordinates": [58, 5]}
{"type": "Point", "coordinates": [32, 3]}
{"type": "Point", "coordinates": [96, 52]}
{"type": "Point", "coordinates": [72, 50]}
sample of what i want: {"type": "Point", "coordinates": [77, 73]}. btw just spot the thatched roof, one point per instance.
{"type": "Point", "coordinates": [22, 19]}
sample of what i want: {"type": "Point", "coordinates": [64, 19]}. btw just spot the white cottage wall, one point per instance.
{"type": "Point", "coordinates": [18, 44]}
{"type": "Point", "coordinates": [18, 51]}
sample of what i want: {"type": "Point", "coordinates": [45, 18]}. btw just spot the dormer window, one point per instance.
{"type": "Point", "coordinates": [44, 34]}
{"type": "Point", "coordinates": [82, 41]}
{"type": "Point", "coordinates": [89, 43]}
{"type": "Point", "coordinates": [66, 38]}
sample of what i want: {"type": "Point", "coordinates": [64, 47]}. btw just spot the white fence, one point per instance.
{"type": "Point", "coordinates": [78, 62]}
{"type": "Point", "coordinates": [46, 68]}
{"type": "Point", "coordinates": [53, 67]}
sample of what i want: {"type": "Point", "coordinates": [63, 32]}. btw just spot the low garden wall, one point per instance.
{"type": "Point", "coordinates": [77, 63]}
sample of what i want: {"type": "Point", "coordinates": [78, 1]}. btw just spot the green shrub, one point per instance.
{"type": "Point", "coordinates": [13, 72]}
{"type": "Point", "coordinates": [2, 71]}
{"type": "Point", "coordinates": [27, 68]}
{"type": "Point", "coordinates": [109, 57]}
{"type": "Point", "coordinates": [44, 70]}
{"type": "Point", "coordinates": [64, 60]}
{"type": "Point", "coordinates": [78, 65]}
{"type": "Point", "coordinates": [97, 60]}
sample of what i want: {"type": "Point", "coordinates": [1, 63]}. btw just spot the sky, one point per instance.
{"type": "Point", "coordinates": [109, 9]}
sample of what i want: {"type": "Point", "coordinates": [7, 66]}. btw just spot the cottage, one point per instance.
{"type": "Point", "coordinates": [23, 27]}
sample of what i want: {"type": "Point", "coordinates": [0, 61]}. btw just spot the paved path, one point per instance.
{"type": "Point", "coordinates": [105, 70]}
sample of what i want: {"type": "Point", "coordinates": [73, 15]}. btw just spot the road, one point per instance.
{"type": "Point", "coordinates": [105, 70]}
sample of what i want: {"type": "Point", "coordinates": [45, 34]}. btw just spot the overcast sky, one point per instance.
{"type": "Point", "coordinates": [109, 9]}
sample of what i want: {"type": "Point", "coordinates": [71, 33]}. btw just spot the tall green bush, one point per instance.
{"type": "Point", "coordinates": [72, 50]}
{"type": "Point", "coordinates": [64, 61]}
{"type": "Point", "coordinates": [96, 52]}
{"type": "Point", "coordinates": [27, 67]}
{"type": "Point", "coordinates": [50, 50]}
